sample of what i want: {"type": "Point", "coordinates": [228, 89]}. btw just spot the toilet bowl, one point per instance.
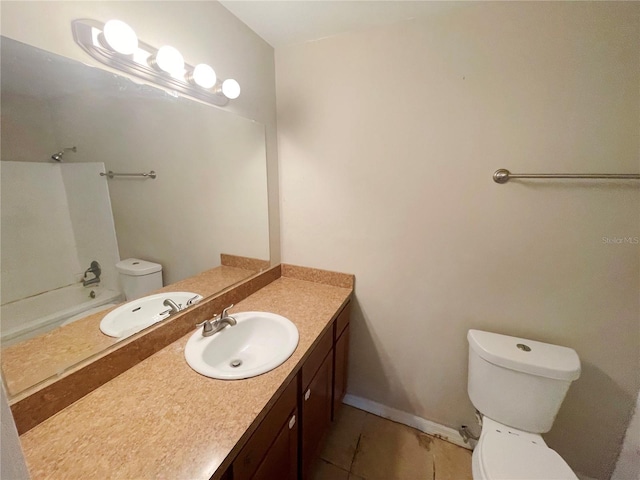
{"type": "Point", "coordinates": [505, 453]}
{"type": "Point", "coordinates": [518, 385]}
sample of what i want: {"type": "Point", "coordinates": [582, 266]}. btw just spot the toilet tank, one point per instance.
{"type": "Point", "coordinates": [139, 277]}
{"type": "Point", "coordinates": [520, 383]}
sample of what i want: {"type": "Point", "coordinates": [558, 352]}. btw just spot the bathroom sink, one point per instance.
{"type": "Point", "coordinates": [258, 343]}
{"type": "Point", "coordinates": [139, 314]}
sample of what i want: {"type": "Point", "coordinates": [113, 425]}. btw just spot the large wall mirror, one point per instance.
{"type": "Point", "coordinates": [63, 124]}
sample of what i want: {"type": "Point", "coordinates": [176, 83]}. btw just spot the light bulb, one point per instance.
{"type": "Point", "coordinates": [170, 60]}
{"type": "Point", "coordinates": [204, 76]}
{"type": "Point", "coordinates": [120, 37]}
{"type": "Point", "coordinates": [231, 88]}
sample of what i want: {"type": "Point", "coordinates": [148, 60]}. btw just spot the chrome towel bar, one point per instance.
{"type": "Point", "coordinates": [503, 175]}
{"type": "Point", "coordinates": [111, 174]}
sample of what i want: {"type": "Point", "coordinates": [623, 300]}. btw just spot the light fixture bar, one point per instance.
{"type": "Point", "coordinates": [87, 33]}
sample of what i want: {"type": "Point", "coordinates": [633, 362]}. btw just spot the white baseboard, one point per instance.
{"type": "Point", "coordinates": [426, 426]}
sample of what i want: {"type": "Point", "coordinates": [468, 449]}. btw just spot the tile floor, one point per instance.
{"type": "Point", "coordinates": [362, 446]}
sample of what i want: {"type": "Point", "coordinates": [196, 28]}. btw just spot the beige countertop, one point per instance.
{"type": "Point", "coordinates": [32, 361]}
{"type": "Point", "coordinates": [162, 419]}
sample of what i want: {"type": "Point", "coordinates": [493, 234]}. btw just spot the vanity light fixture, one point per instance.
{"type": "Point", "coordinates": [169, 60]}
{"type": "Point", "coordinates": [231, 88]}
{"type": "Point", "coordinates": [203, 75]}
{"type": "Point", "coordinates": [120, 37]}
{"type": "Point", "coordinates": [116, 44]}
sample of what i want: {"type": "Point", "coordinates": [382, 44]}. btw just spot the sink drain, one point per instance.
{"type": "Point", "coordinates": [235, 363]}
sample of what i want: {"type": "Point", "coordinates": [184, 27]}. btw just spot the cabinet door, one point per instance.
{"type": "Point", "coordinates": [259, 445]}
{"type": "Point", "coordinates": [341, 365]}
{"type": "Point", "coordinates": [316, 413]}
{"type": "Point", "coordinates": [281, 461]}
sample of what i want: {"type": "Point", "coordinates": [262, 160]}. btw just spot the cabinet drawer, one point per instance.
{"type": "Point", "coordinates": [343, 320]}
{"type": "Point", "coordinates": [312, 364]}
{"type": "Point", "coordinates": [250, 457]}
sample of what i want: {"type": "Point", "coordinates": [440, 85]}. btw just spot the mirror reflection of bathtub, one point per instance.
{"type": "Point", "coordinates": [33, 316]}
{"type": "Point", "coordinates": [56, 220]}
{"type": "Point", "coordinates": [58, 216]}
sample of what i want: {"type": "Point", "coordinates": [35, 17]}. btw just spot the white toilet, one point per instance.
{"type": "Point", "coordinates": [518, 385]}
{"type": "Point", "coordinates": [139, 277]}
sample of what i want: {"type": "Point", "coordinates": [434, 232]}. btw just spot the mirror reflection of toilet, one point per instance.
{"type": "Point", "coordinates": [139, 277]}
{"type": "Point", "coordinates": [518, 385]}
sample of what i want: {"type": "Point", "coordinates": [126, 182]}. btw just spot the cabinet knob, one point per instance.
{"type": "Point", "coordinates": [292, 422]}
{"type": "Point", "coordinates": [307, 394]}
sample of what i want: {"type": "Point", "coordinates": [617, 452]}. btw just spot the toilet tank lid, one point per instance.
{"type": "Point", "coordinates": [136, 267]}
{"type": "Point", "coordinates": [528, 356]}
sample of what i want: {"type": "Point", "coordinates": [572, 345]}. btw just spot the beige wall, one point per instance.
{"type": "Point", "coordinates": [388, 139]}
{"type": "Point", "coordinates": [203, 31]}
{"type": "Point", "coordinates": [27, 133]}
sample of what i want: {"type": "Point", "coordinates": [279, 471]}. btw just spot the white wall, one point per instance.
{"type": "Point", "coordinates": [92, 220]}
{"type": "Point", "coordinates": [38, 246]}
{"type": "Point", "coordinates": [388, 139]}
{"type": "Point", "coordinates": [56, 219]}
{"type": "Point", "coordinates": [202, 31]}
{"type": "Point", "coordinates": [12, 465]}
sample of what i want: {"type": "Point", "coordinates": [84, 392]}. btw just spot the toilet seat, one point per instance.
{"type": "Point", "coordinates": [505, 453]}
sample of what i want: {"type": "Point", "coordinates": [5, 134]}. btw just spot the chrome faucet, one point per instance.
{"type": "Point", "coordinates": [217, 323]}
{"type": "Point", "coordinates": [94, 269]}
{"type": "Point", "coordinates": [173, 306]}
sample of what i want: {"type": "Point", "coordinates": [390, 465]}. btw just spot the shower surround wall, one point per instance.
{"type": "Point", "coordinates": [388, 138]}
{"type": "Point", "coordinates": [56, 219]}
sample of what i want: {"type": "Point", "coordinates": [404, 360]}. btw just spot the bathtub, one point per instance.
{"type": "Point", "coordinates": [32, 316]}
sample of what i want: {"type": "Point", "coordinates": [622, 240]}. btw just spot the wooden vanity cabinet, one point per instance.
{"type": "Point", "coordinates": [323, 388]}
{"type": "Point", "coordinates": [281, 461]}
{"type": "Point", "coordinates": [272, 451]}
{"type": "Point", "coordinates": [287, 441]}
{"type": "Point", "coordinates": [340, 358]}
{"type": "Point", "coordinates": [316, 413]}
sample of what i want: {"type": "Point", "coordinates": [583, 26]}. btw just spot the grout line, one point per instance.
{"type": "Point", "coordinates": [357, 449]}
{"type": "Point", "coordinates": [355, 452]}
{"type": "Point", "coordinates": [331, 463]}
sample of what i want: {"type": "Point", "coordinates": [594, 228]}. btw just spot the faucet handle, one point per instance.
{"type": "Point", "coordinates": [193, 300]}
{"type": "Point", "coordinates": [207, 326]}
{"type": "Point", "coordinates": [224, 313]}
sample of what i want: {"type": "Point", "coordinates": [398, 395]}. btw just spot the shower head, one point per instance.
{"type": "Point", "coordinates": [58, 156]}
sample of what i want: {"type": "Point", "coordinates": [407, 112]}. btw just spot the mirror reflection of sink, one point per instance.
{"type": "Point", "coordinates": [258, 343]}
{"type": "Point", "coordinates": [139, 314]}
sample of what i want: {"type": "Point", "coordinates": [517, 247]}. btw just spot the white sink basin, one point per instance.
{"type": "Point", "coordinates": [139, 314]}
{"type": "Point", "coordinates": [258, 343]}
